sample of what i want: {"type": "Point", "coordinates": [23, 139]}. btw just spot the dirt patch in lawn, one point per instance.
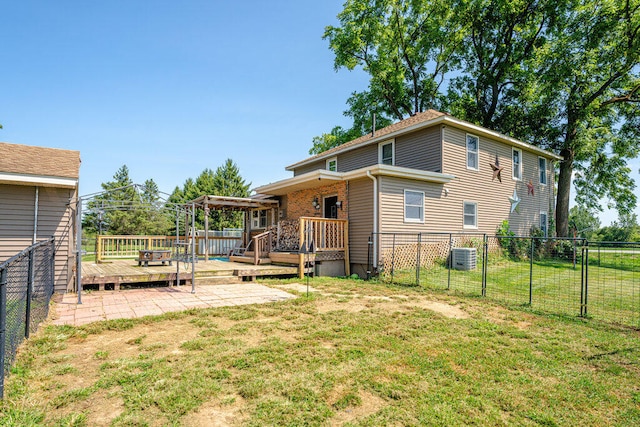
{"type": "Point", "coordinates": [224, 412]}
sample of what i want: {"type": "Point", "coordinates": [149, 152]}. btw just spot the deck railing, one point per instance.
{"type": "Point", "coordinates": [323, 235]}
{"type": "Point", "coordinates": [112, 247]}
{"type": "Point", "coordinates": [261, 246]}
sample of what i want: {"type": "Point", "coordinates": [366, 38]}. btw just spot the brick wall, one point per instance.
{"type": "Point", "coordinates": [299, 203]}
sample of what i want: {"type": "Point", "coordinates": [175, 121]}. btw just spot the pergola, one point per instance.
{"type": "Point", "coordinates": [227, 203]}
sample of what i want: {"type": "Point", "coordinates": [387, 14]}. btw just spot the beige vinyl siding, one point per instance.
{"type": "Point", "coordinates": [16, 219]}
{"type": "Point", "coordinates": [420, 150]}
{"type": "Point", "coordinates": [492, 197]}
{"type": "Point", "coordinates": [17, 214]}
{"type": "Point", "coordinates": [55, 219]}
{"type": "Point", "coordinates": [320, 164]}
{"type": "Point", "coordinates": [392, 220]}
{"type": "Point", "coordinates": [360, 219]}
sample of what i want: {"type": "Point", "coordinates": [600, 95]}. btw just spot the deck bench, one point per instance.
{"type": "Point", "coordinates": [153, 255]}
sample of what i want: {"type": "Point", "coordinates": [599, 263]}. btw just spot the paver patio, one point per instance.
{"type": "Point", "coordinates": [132, 303]}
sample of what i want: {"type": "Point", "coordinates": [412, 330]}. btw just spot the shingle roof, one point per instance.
{"type": "Point", "coordinates": [42, 161]}
{"type": "Point", "coordinates": [413, 120]}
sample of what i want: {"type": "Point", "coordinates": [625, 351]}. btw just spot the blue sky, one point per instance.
{"type": "Point", "coordinates": [170, 88]}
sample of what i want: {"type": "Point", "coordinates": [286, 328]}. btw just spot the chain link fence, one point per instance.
{"type": "Point", "coordinates": [26, 286]}
{"type": "Point", "coordinates": [562, 276]}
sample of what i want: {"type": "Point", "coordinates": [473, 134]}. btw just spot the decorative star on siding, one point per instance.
{"type": "Point", "coordinates": [496, 169]}
{"type": "Point", "coordinates": [530, 188]}
{"type": "Point", "coordinates": [515, 200]}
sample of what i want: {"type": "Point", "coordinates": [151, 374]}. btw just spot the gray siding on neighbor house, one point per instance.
{"type": "Point", "coordinates": [360, 219]}
{"type": "Point", "coordinates": [492, 197]}
{"type": "Point", "coordinates": [17, 214]}
{"type": "Point", "coordinates": [420, 150]}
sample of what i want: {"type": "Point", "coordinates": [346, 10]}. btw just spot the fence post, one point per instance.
{"type": "Point", "coordinates": [531, 272]}
{"type": "Point", "coordinates": [369, 257]}
{"type": "Point", "coordinates": [449, 259]}
{"type": "Point", "coordinates": [3, 326]}
{"type": "Point", "coordinates": [485, 256]}
{"type": "Point", "coordinates": [418, 259]}
{"type": "Point", "coordinates": [27, 311]}
{"type": "Point", "coordinates": [582, 312]}
{"type": "Point", "coordinates": [393, 256]}
{"type": "Point", "coordinates": [585, 261]}
{"type": "Point", "coordinates": [52, 264]}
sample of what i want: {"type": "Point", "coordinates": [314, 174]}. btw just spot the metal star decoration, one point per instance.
{"type": "Point", "coordinates": [530, 188]}
{"type": "Point", "coordinates": [496, 169]}
{"type": "Point", "coordinates": [515, 200]}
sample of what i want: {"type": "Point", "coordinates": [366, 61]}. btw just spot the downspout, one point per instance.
{"type": "Point", "coordinates": [35, 218]}
{"type": "Point", "coordinates": [375, 218]}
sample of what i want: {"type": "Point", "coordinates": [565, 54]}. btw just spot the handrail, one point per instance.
{"type": "Point", "coordinates": [261, 246]}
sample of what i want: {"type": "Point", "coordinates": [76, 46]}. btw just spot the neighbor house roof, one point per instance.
{"type": "Point", "coordinates": [419, 121]}
{"type": "Point", "coordinates": [25, 164]}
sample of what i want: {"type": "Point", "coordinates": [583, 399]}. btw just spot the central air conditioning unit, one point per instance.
{"type": "Point", "coordinates": [464, 258]}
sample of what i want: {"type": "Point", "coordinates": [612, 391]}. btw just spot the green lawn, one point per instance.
{"type": "Point", "coordinates": [613, 285]}
{"type": "Point", "coordinates": [358, 353]}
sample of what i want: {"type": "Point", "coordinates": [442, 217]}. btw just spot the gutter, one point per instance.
{"type": "Point", "coordinates": [375, 217]}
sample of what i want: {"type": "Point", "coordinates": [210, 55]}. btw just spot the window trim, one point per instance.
{"type": "Point", "coordinates": [259, 218]}
{"type": "Point", "coordinates": [477, 152]}
{"type": "Point", "coordinates": [404, 207]}
{"type": "Point", "coordinates": [513, 168]}
{"type": "Point", "coordinates": [546, 226]}
{"type": "Point", "coordinates": [475, 214]}
{"type": "Point", "coordinates": [540, 170]}
{"type": "Point", "coordinates": [393, 151]}
{"type": "Point", "coordinates": [329, 161]}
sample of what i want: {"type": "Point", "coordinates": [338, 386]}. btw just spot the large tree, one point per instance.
{"type": "Point", "coordinates": [406, 47]}
{"type": "Point", "coordinates": [563, 75]}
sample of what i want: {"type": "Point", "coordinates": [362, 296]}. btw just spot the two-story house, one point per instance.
{"type": "Point", "coordinates": [429, 173]}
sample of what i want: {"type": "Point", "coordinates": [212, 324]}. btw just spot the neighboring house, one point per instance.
{"type": "Point", "coordinates": [428, 173]}
{"type": "Point", "coordinates": [38, 189]}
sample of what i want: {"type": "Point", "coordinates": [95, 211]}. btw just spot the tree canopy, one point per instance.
{"type": "Point", "coordinates": [561, 74]}
{"type": "Point", "coordinates": [124, 208]}
{"type": "Point", "coordinates": [225, 181]}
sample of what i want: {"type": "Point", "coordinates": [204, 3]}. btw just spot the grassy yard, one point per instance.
{"type": "Point", "coordinates": [613, 291]}
{"type": "Point", "coordinates": [355, 353]}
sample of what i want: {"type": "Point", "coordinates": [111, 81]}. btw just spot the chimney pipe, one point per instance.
{"type": "Point", "coordinates": [373, 126]}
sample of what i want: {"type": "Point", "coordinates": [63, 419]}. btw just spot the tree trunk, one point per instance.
{"type": "Point", "coordinates": [564, 193]}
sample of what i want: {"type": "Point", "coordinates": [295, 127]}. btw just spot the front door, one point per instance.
{"type": "Point", "coordinates": [330, 208]}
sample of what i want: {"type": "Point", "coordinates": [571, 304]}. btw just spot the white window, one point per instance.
{"type": "Point", "coordinates": [544, 223]}
{"type": "Point", "coordinates": [386, 153]}
{"type": "Point", "coordinates": [259, 219]}
{"type": "Point", "coordinates": [542, 170]}
{"type": "Point", "coordinates": [517, 164]}
{"type": "Point", "coordinates": [413, 206]}
{"type": "Point", "coordinates": [470, 214]}
{"type": "Point", "coordinates": [332, 164]}
{"type": "Point", "coordinates": [472, 152]}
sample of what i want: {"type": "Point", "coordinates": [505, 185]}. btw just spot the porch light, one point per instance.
{"type": "Point", "coordinates": [339, 205]}
{"type": "Point", "coordinates": [315, 203]}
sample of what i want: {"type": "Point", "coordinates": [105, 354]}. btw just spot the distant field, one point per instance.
{"type": "Point", "coordinates": [357, 353]}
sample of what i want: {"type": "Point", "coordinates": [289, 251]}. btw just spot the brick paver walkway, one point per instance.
{"type": "Point", "coordinates": [131, 303]}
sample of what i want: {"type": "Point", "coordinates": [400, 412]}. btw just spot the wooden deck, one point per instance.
{"type": "Point", "coordinates": [126, 271]}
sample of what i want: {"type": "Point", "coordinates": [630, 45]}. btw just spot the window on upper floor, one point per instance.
{"type": "Point", "coordinates": [386, 153]}
{"type": "Point", "coordinates": [542, 170]}
{"type": "Point", "coordinates": [413, 206]}
{"type": "Point", "coordinates": [472, 152]}
{"type": "Point", "coordinates": [517, 164]}
{"type": "Point", "coordinates": [470, 215]}
{"type": "Point", "coordinates": [332, 164]}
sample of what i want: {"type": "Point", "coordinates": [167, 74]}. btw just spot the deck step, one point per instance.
{"type": "Point", "coordinates": [217, 280]}
{"type": "Point", "coordinates": [249, 259]}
